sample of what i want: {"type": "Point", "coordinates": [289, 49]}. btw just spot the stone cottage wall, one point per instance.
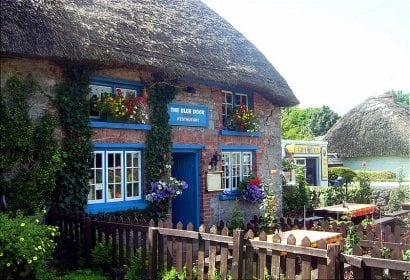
{"type": "Point", "coordinates": [48, 74]}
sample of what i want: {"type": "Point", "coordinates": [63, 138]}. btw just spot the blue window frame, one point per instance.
{"type": "Point", "coordinates": [231, 100]}
{"type": "Point", "coordinates": [237, 165]}
{"type": "Point", "coordinates": [115, 175]}
{"type": "Point", "coordinates": [104, 85]}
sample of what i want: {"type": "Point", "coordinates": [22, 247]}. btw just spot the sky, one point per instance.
{"type": "Point", "coordinates": [331, 52]}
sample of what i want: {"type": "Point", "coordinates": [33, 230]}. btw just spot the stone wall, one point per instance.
{"type": "Point", "coordinates": [49, 74]}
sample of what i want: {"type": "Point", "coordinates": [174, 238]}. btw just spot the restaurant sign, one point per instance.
{"type": "Point", "coordinates": [188, 115]}
{"type": "Point", "coordinates": [302, 149]}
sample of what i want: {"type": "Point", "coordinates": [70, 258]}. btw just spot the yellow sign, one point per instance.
{"type": "Point", "coordinates": [303, 149]}
{"type": "Point", "coordinates": [324, 164]}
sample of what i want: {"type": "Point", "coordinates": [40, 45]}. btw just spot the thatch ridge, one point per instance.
{"type": "Point", "coordinates": [183, 38]}
{"type": "Point", "coordinates": [375, 128]}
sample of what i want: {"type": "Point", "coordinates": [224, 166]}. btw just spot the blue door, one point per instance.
{"type": "Point", "coordinates": [185, 208]}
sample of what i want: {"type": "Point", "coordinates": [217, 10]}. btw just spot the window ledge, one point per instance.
{"type": "Point", "coordinates": [229, 196]}
{"type": "Point", "coordinates": [105, 207]}
{"type": "Point", "coordinates": [115, 125]}
{"type": "Point", "coordinates": [226, 132]}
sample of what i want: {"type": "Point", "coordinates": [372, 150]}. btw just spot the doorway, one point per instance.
{"type": "Point", "coordinates": [185, 208]}
{"type": "Point", "coordinates": [311, 171]}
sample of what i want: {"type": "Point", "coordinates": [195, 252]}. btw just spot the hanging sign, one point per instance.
{"type": "Point", "coordinates": [188, 115]}
{"type": "Point", "coordinates": [324, 164]}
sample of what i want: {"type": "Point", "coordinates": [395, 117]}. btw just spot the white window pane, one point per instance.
{"type": "Point", "coordinates": [95, 177]}
{"type": "Point", "coordinates": [133, 174]}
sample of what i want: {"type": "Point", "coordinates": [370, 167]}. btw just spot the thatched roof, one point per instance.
{"type": "Point", "coordinates": [183, 38]}
{"type": "Point", "coordinates": [376, 127]}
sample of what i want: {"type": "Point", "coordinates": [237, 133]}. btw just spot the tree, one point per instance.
{"type": "Point", "coordinates": [322, 120]}
{"type": "Point", "coordinates": [295, 123]}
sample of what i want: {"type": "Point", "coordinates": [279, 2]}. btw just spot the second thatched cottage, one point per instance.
{"type": "Point", "coordinates": [376, 134]}
{"type": "Point", "coordinates": [133, 45]}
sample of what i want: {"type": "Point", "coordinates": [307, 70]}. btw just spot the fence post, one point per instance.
{"type": "Point", "coordinates": [153, 253]}
{"type": "Point", "coordinates": [88, 240]}
{"type": "Point", "coordinates": [333, 266]}
{"type": "Point", "coordinates": [237, 254]}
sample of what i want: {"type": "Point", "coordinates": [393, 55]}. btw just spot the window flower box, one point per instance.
{"type": "Point", "coordinates": [120, 108]}
{"type": "Point", "coordinates": [242, 119]}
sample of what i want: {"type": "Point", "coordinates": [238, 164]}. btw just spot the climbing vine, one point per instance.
{"type": "Point", "coordinates": [30, 156]}
{"type": "Point", "coordinates": [158, 144]}
{"type": "Point", "coordinates": [71, 102]}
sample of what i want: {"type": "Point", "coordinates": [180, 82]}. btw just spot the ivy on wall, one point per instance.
{"type": "Point", "coordinates": [29, 152]}
{"type": "Point", "coordinates": [158, 144]}
{"type": "Point", "coordinates": [71, 102]}
{"type": "Point", "coordinates": [158, 151]}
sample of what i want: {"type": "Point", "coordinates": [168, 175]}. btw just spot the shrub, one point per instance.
{"type": "Point", "coordinates": [137, 264]}
{"type": "Point", "coordinates": [364, 192]}
{"type": "Point", "coordinates": [397, 197]}
{"type": "Point", "coordinates": [236, 219]}
{"type": "Point", "coordinates": [332, 195]}
{"type": "Point", "coordinates": [269, 209]}
{"type": "Point", "coordinates": [25, 246]}
{"type": "Point", "coordinates": [102, 255]}
{"type": "Point", "coordinates": [384, 175]}
{"type": "Point", "coordinates": [295, 198]}
{"type": "Point", "coordinates": [345, 172]}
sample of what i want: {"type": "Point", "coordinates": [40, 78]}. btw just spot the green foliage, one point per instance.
{"type": "Point", "coordinates": [173, 274]}
{"type": "Point", "coordinates": [345, 172]}
{"type": "Point", "coordinates": [295, 198]}
{"type": "Point", "coordinates": [25, 246]}
{"type": "Point", "coordinates": [288, 164]}
{"type": "Point", "coordinates": [71, 102]}
{"type": "Point", "coordinates": [135, 270]}
{"type": "Point", "coordinates": [332, 195]}
{"type": "Point", "coordinates": [30, 155]}
{"type": "Point", "coordinates": [295, 123]}
{"type": "Point", "coordinates": [352, 239]}
{"type": "Point", "coordinates": [322, 120]}
{"type": "Point", "coordinates": [401, 97]}
{"type": "Point", "coordinates": [269, 211]}
{"type": "Point", "coordinates": [85, 274]}
{"type": "Point", "coordinates": [398, 197]}
{"type": "Point", "coordinates": [102, 255]}
{"type": "Point", "coordinates": [158, 151]}
{"type": "Point", "coordinates": [385, 252]}
{"type": "Point", "coordinates": [236, 219]}
{"type": "Point", "coordinates": [378, 175]}
{"type": "Point", "coordinates": [363, 193]}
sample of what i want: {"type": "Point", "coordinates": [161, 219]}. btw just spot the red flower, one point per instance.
{"type": "Point", "coordinates": [255, 182]}
{"type": "Point", "coordinates": [140, 99]}
{"type": "Point", "coordinates": [119, 91]}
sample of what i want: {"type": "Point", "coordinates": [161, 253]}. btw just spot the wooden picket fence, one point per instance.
{"type": "Point", "coordinates": [216, 253]}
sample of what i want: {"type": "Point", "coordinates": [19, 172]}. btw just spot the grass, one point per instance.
{"type": "Point", "coordinates": [87, 274]}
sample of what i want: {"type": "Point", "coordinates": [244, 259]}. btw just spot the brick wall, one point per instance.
{"type": "Point", "coordinates": [267, 157]}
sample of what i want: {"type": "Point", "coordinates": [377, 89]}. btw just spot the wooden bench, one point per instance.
{"type": "Point", "coordinates": [398, 213]}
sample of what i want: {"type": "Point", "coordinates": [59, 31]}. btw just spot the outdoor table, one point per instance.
{"type": "Point", "coordinates": [354, 210]}
{"type": "Point", "coordinates": [313, 235]}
